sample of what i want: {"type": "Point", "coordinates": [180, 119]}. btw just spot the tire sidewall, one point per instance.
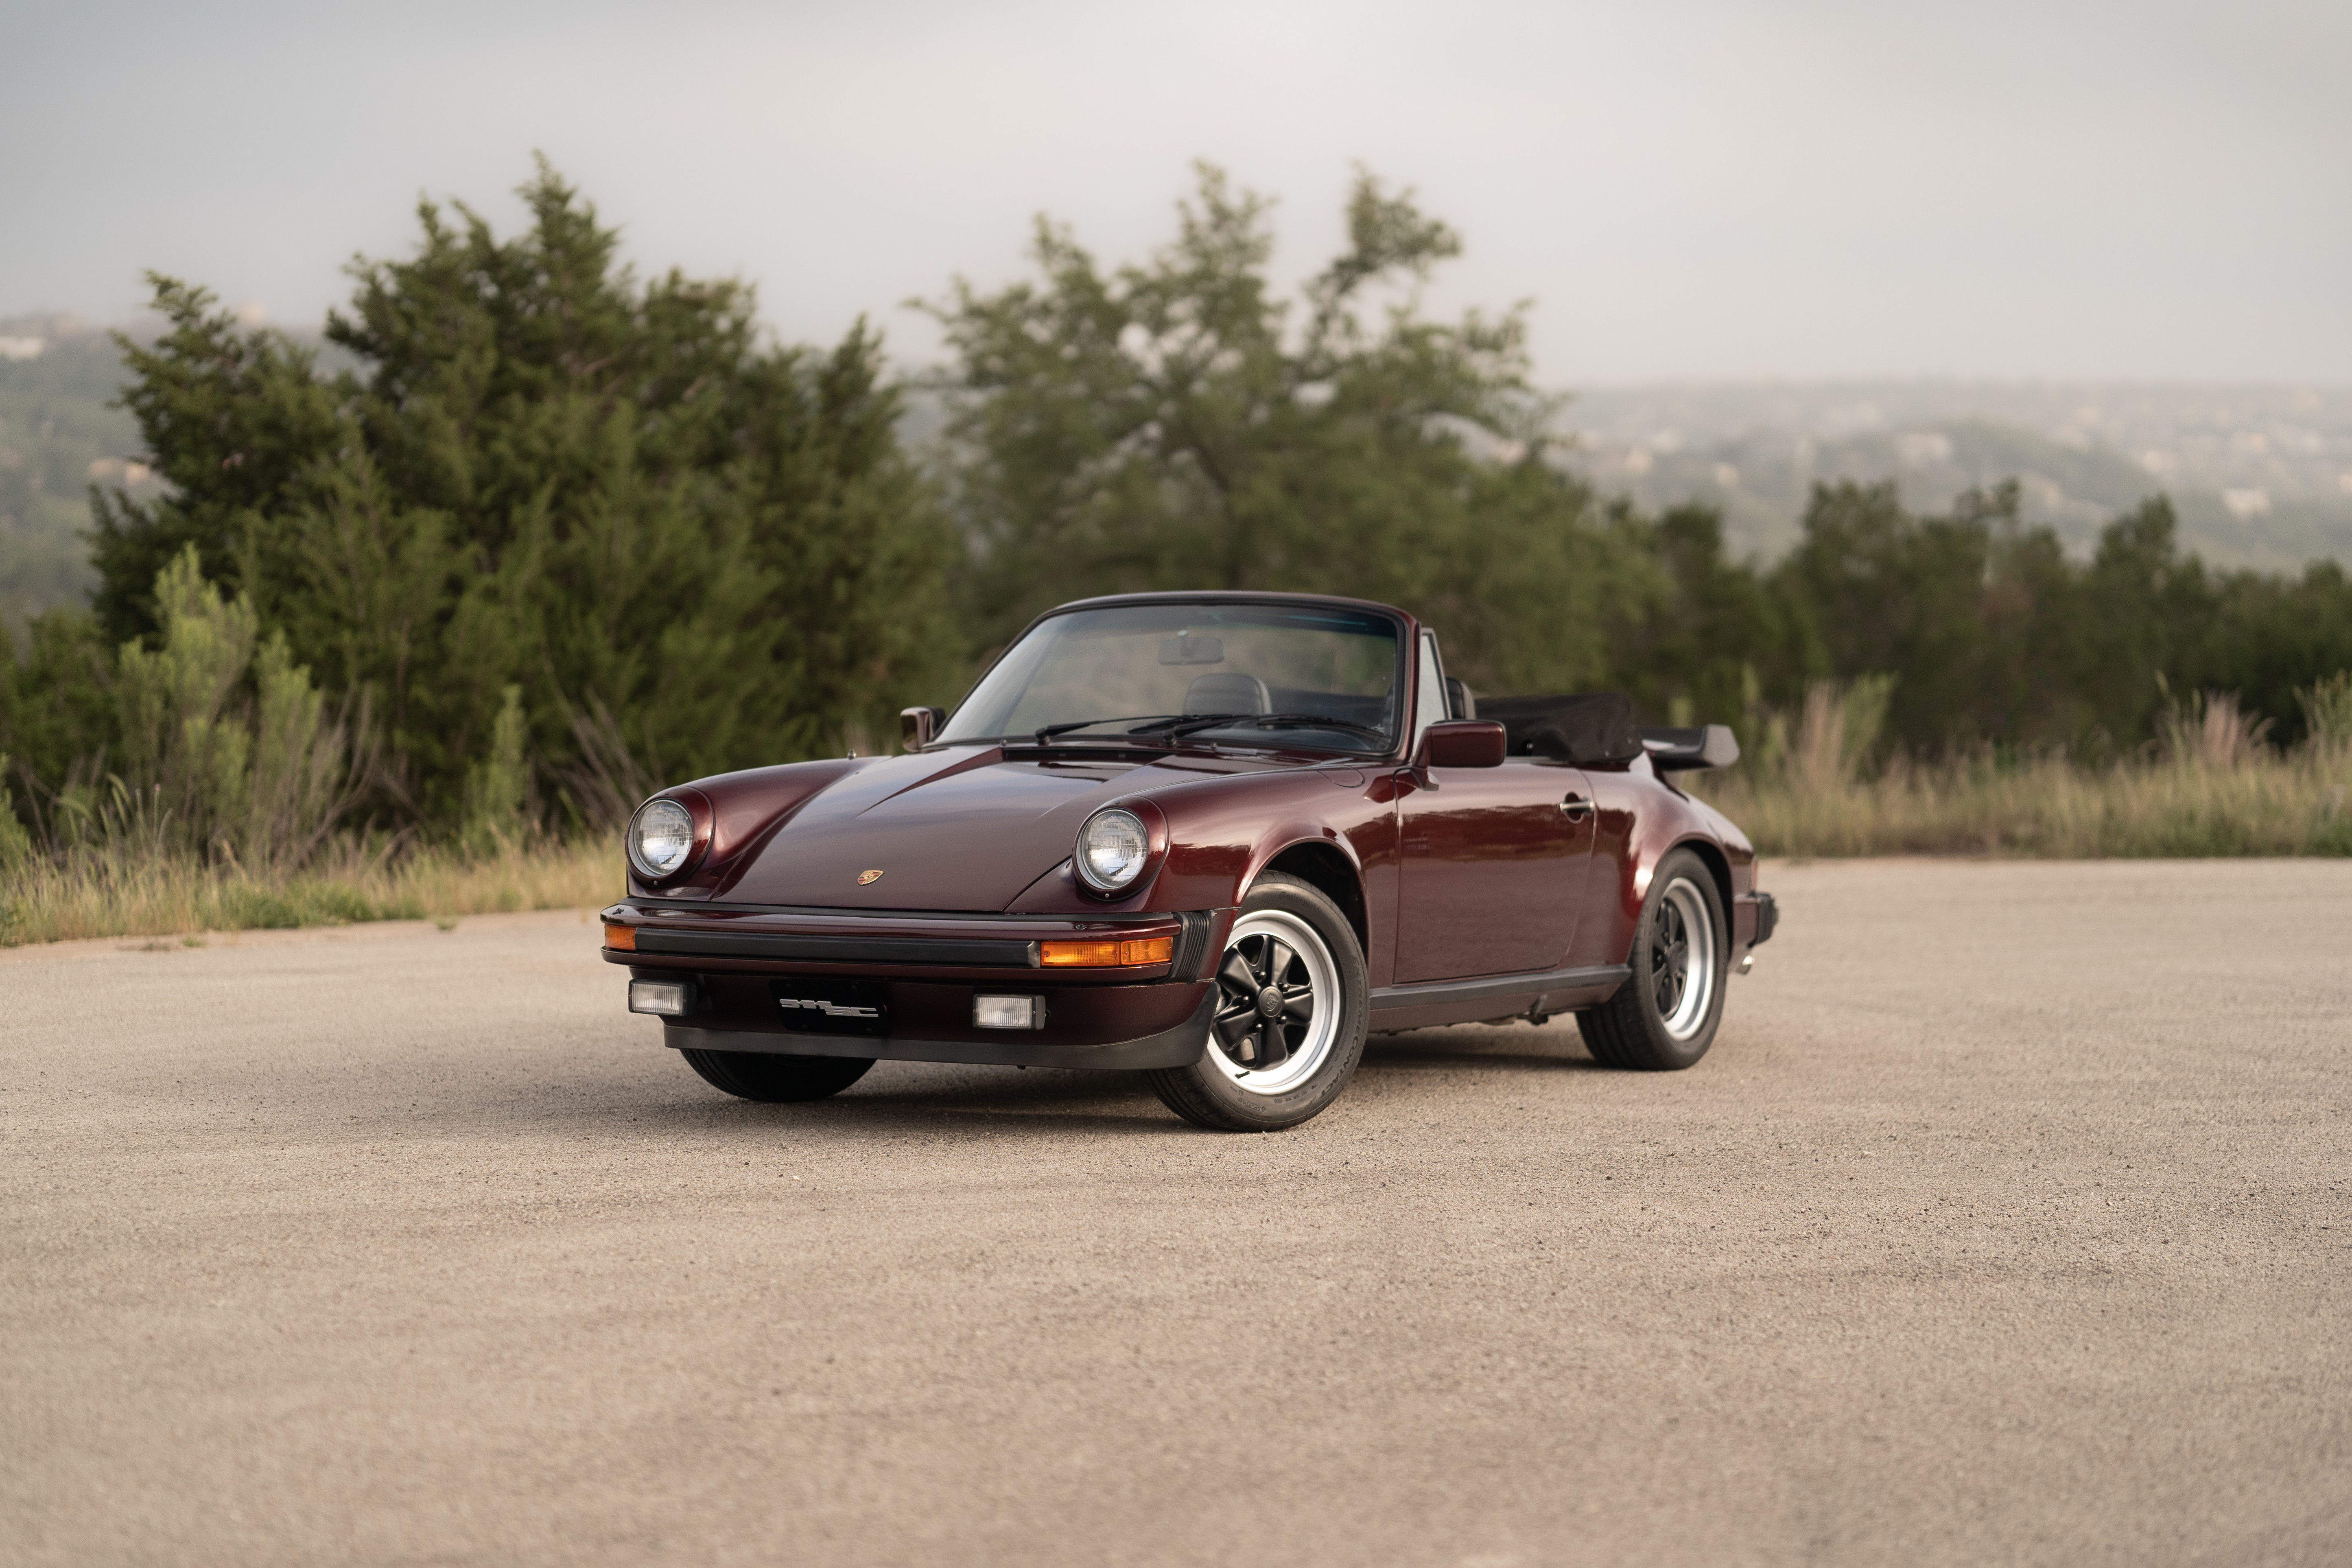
{"type": "Point", "coordinates": [1270, 1112]}
{"type": "Point", "coordinates": [1681, 865]}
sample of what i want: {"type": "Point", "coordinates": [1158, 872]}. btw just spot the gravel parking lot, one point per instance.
{"type": "Point", "coordinates": [2007, 1222]}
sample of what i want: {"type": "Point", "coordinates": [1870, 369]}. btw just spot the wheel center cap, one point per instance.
{"type": "Point", "coordinates": [1269, 1000]}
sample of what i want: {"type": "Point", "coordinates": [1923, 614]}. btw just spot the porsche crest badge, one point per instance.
{"type": "Point", "coordinates": [867, 878]}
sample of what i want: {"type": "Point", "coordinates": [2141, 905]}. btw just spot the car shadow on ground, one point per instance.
{"type": "Point", "coordinates": [919, 1098]}
{"type": "Point", "coordinates": [930, 1098]}
{"type": "Point", "coordinates": [923, 1094]}
{"type": "Point", "coordinates": [1468, 1051]}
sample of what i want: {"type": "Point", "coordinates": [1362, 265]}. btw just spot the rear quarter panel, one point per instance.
{"type": "Point", "coordinates": [1641, 819]}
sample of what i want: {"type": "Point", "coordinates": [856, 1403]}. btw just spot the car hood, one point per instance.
{"type": "Point", "coordinates": [965, 830]}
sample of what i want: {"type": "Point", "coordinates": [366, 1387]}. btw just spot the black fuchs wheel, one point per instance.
{"type": "Point", "coordinates": [1665, 1017]}
{"type": "Point", "coordinates": [1288, 1028]}
{"type": "Point", "coordinates": [774, 1078]}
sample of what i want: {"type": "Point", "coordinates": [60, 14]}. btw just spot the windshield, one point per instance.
{"type": "Point", "coordinates": [1249, 673]}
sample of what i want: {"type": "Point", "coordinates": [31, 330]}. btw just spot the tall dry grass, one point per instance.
{"type": "Point", "coordinates": [119, 890]}
{"type": "Point", "coordinates": [2212, 787]}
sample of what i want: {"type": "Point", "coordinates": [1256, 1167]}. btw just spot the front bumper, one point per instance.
{"type": "Point", "coordinates": [930, 968]}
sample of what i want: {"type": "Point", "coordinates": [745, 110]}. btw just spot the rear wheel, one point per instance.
{"type": "Point", "coordinates": [1288, 1028]}
{"type": "Point", "coordinates": [1665, 1017]}
{"type": "Point", "coordinates": [774, 1078]}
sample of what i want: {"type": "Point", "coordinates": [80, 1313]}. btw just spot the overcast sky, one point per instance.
{"type": "Point", "coordinates": [2068, 188]}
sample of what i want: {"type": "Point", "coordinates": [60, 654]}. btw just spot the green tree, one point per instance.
{"type": "Point", "coordinates": [1719, 642]}
{"type": "Point", "coordinates": [2144, 609]}
{"type": "Point", "coordinates": [235, 422]}
{"type": "Point", "coordinates": [2271, 637]}
{"type": "Point", "coordinates": [1882, 589]}
{"type": "Point", "coordinates": [56, 709]}
{"type": "Point", "coordinates": [1176, 424]}
{"type": "Point", "coordinates": [619, 497]}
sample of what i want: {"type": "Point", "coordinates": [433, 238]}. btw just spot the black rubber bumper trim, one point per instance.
{"type": "Point", "coordinates": [978, 955]}
{"type": "Point", "coordinates": [1768, 918]}
{"type": "Point", "coordinates": [863, 916]}
{"type": "Point", "coordinates": [1445, 993]}
{"type": "Point", "coordinates": [1176, 1048]}
{"type": "Point", "coordinates": [1192, 947]}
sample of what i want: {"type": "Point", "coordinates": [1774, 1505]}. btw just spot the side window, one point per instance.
{"type": "Point", "coordinates": [1429, 697]}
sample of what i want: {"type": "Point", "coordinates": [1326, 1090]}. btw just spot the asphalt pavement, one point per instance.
{"type": "Point", "coordinates": [2008, 1222]}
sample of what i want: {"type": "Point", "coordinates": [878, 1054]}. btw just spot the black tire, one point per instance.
{"type": "Point", "coordinates": [774, 1078]}
{"type": "Point", "coordinates": [1645, 1025]}
{"type": "Point", "coordinates": [1302, 1048]}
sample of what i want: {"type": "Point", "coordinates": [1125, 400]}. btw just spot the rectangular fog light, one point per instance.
{"type": "Point", "coordinates": [1009, 1011]}
{"type": "Point", "coordinates": [667, 998]}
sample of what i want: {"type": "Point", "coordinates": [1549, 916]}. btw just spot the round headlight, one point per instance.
{"type": "Point", "coordinates": [1112, 848]}
{"type": "Point", "coordinates": [661, 837]}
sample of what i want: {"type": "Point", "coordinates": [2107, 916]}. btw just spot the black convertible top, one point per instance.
{"type": "Point", "coordinates": [1582, 726]}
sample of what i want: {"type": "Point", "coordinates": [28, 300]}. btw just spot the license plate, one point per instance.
{"type": "Point", "coordinates": [834, 1007]}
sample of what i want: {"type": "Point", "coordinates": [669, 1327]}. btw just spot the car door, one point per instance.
{"type": "Point", "coordinates": [1492, 860]}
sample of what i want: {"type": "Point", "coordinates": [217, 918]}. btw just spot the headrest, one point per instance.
{"type": "Point", "coordinates": [1225, 692]}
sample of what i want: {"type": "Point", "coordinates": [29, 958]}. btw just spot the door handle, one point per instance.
{"type": "Point", "coordinates": [1576, 807]}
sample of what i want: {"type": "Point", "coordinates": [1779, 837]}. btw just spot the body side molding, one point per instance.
{"type": "Point", "coordinates": [1446, 992]}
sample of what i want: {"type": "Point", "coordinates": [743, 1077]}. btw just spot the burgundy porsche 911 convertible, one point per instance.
{"type": "Point", "coordinates": [1216, 838]}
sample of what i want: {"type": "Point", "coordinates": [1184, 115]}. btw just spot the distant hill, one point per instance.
{"type": "Point", "coordinates": [57, 436]}
{"type": "Point", "coordinates": [2261, 476]}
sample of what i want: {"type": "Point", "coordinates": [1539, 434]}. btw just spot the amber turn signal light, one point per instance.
{"type": "Point", "coordinates": [621, 939]}
{"type": "Point", "coordinates": [1106, 954]}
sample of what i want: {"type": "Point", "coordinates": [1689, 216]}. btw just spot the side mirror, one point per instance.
{"type": "Point", "coordinates": [1463, 743]}
{"type": "Point", "coordinates": [917, 725]}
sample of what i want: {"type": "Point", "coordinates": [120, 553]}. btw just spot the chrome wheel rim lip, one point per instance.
{"type": "Point", "coordinates": [1311, 968]}
{"type": "Point", "coordinates": [1682, 959]}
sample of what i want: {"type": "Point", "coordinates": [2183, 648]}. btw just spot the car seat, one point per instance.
{"type": "Point", "coordinates": [1228, 693]}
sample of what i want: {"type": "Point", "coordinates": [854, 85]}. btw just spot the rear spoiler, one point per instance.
{"type": "Point", "coordinates": [1707, 746]}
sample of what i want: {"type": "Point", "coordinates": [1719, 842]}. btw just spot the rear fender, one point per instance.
{"type": "Point", "coordinates": [1664, 820]}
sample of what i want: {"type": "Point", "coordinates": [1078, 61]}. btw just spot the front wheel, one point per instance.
{"type": "Point", "coordinates": [1663, 1019]}
{"type": "Point", "coordinates": [774, 1078]}
{"type": "Point", "coordinates": [1288, 1026]}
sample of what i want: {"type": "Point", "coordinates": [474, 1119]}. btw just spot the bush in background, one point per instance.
{"type": "Point", "coordinates": [2211, 786]}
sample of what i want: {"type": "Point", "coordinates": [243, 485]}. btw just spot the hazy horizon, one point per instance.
{"type": "Point", "coordinates": [1697, 193]}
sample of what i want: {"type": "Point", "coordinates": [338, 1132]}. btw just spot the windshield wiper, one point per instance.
{"type": "Point", "coordinates": [1172, 725]}
{"type": "Point", "coordinates": [1316, 721]}
{"type": "Point", "coordinates": [1184, 725]}
{"type": "Point", "coordinates": [1047, 731]}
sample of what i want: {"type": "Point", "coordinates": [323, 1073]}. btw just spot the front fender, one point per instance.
{"type": "Point", "coordinates": [744, 810]}
{"type": "Point", "coordinates": [1222, 833]}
